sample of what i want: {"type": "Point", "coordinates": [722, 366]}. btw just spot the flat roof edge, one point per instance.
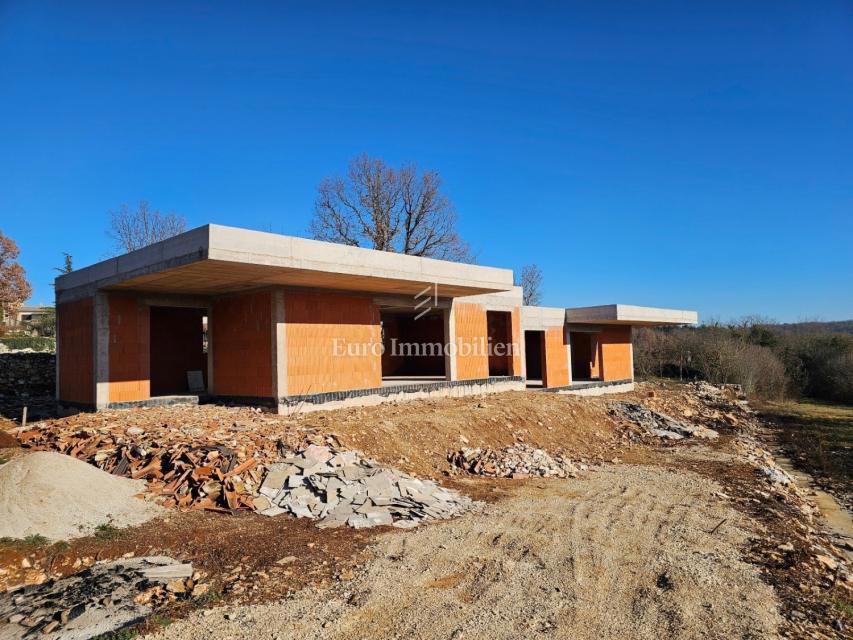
{"type": "Point", "coordinates": [631, 314]}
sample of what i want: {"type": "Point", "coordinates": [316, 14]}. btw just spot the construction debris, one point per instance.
{"type": "Point", "coordinates": [194, 467]}
{"type": "Point", "coordinates": [659, 424]}
{"type": "Point", "coordinates": [99, 600]}
{"type": "Point", "coordinates": [342, 488]}
{"type": "Point", "coordinates": [517, 461]}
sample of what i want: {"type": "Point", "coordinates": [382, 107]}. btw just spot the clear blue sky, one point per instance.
{"type": "Point", "coordinates": [686, 154]}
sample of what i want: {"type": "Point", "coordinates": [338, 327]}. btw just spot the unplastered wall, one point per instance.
{"type": "Point", "coordinates": [556, 366]}
{"type": "Point", "coordinates": [242, 345]}
{"type": "Point", "coordinates": [129, 349]}
{"type": "Point", "coordinates": [470, 335]}
{"type": "Point", "coordinates": [616, 356]}
{"type": "Point", "coordinates": [332, 343]}
{"type": "Point", "coordinates": [75, 351]}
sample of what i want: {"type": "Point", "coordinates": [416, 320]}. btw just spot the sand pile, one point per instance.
{"type": "Point", "coordinates": [60, 497]}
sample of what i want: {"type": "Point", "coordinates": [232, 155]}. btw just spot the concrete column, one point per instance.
{"type": "Point", "coordinates": [568, 340]}
{"type": "Point", "coordinates": [279, 349]}
{"type": "Point", "coordinates": [101, 346]}
{"type": "Point", "coordinates": [450, 342]}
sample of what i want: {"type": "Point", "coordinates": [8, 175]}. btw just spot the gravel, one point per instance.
{"type": "Point", "coordinates": [623, 552]}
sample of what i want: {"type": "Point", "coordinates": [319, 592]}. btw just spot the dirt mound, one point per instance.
{"type": "Point", "coordinates": [59, 497]}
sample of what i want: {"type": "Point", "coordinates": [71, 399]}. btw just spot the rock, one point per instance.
{"type": "Point", "coordinates": [339, 488]}
{"type": "Point", "coordinates": [517, 461]}
{"type": "Point", "coordinates": [659, 424]}
{"type": "Point", "coordinates": [96, 601]}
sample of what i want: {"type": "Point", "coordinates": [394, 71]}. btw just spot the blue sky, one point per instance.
{"type": "Point", "coordinates": [695, 155]}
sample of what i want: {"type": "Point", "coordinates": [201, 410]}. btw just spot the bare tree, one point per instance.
{"type": "Point", "coordinates": [14, 287]}
{"type": "Point", "coordinates": [388, 209]}
{"type": "Point", "coordinates": [131, 230]}
{"type": "Point", "coordinates": [531, 284]}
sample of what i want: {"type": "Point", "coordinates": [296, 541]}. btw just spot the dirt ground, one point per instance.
{"type": "Point", "coordinates": [657, 539]}
{"type": "Point", "coordinates": [625, 551]}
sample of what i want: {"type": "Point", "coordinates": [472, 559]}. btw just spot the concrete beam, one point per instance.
{"type": "Point", "coordinates": [630, 314]}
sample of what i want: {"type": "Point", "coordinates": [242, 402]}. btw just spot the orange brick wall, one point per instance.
{"type": "Point", "coordinates": [241, 342]}
{"type": "Point", "coordinates": [471, 332]}
{"type": "Point", "coordinates": [517, 338]}
{"type": "Point", "coordinates": [556, 368]}
{"type": "Point", "coordinates": [312, 323]}
{"type": "Point", "coordinates": [75, 330]}
{"type": "Point", "coordinates": [128, 349]}
{"type": "Point", "coordinates": [615, 346]}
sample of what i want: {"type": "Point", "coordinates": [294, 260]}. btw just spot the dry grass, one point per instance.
{"type": "Point", "coordinates": [819, 437]}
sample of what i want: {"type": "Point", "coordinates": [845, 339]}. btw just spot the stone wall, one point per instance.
{"type": "Point", "coordinates": [26, 375]}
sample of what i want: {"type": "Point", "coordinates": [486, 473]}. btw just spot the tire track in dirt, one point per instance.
{"type": "Point", "coordinates": [625, 551]}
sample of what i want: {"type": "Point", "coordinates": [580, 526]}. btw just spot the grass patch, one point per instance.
{"type": "Point", "coordinates": [30, 542]}
{"type": "Point", "coordinates": [107, 531]}
{"type": "Point", "coordinates": [160, 621]}
{"type": "Point", "coordinates": [844, 607]}
{"type": "Point", "coordinates": [207, 599]}
{"type": "Point", "coordinates": [122, 634]}
{"type": "Point", "coordinates": [818, 434]}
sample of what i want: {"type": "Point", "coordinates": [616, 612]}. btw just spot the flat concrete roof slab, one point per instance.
{"type": "Point", "coordinates": [217, 259]}
{"type": "Point", "coordinates": [630, 314]}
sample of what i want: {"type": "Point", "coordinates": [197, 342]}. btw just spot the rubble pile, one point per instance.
{"type": "Point", "coordinates": [659, 424]}
{"type": "Point", "coordinates": [188, 467]}
{"type": "Point", "coordinates": [518, 461]}
{"type": "Point", "coordinates": [100, 600]}
{"type": "Point", "coordinates": [341, 488]}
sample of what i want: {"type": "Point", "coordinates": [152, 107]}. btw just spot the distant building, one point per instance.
{"type": "Point", "coordinates": [25, 315]}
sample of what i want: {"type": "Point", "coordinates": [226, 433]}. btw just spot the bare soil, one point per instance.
{"type": "Point", "coordinates": [658, 540]}
{"type": "Point", "coordinates": [625, 551]}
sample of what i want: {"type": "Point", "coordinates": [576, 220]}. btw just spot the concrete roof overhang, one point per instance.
{"type": "Point", "coordinates": [630, 315]}
{"type": "Point", "coordinates": [215, 259]}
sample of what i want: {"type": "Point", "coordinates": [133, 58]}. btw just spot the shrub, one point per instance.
{"type": "Point", "coordinates": [36, 343]}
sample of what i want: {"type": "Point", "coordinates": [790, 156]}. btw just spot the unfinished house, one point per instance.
{"type": "Point", "coordinates": [587, 350]}
{"type": "Point", "coordinates": [242, 316]}
{"type": "Point", "coordinates": [230, 315]}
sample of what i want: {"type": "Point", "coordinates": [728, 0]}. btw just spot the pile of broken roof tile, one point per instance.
{"type": "Point", "coordinates": [341, 488]}
{"type": "Point", "coordinates": [517, 461]}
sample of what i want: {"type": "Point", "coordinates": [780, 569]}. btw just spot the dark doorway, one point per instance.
{"type": "Point", "coordinates": [413, 347]}
{"type": "Point", "coordinates": [534, 351]}
{"type": "Point", "coordinates": [499, 328]}
{"type": "Point", "coordinates": [584, 356]}
{"type": "Point", "coordinates": [177, 346]}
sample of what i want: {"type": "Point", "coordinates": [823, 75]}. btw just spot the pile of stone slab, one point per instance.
{"type": "Point", "coordinates": [100, 600]}
{"type": "Point", "coordinates": [659, 424]}
{"type": "Point", "coordinates": [517, 461]}
{"type": "Point", "coordinates": [340, 488]}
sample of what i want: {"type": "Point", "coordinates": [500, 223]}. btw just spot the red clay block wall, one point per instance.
{"type": "Point", "coordinates": [75, 328]}
{"type": "Point", "coordinates": [471, 332]}
{"type": "Point", "coordinates": [176, 347]}
{"type": "Point", "coordinates": [313, 321]}
{"type": "Point", "coordinates": [128, 349]}
{"type": "Point", "coordinates": [556, 370]}
{"type": "Point", "coordinates": [517, 338]}
{"type": "Point", "coordinates": [615, 345]}
{"type": "Point", "coordinates": [241, 342]}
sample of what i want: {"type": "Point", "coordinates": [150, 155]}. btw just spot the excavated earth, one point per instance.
{"type": "Point", "coordinates": [654, 538]}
